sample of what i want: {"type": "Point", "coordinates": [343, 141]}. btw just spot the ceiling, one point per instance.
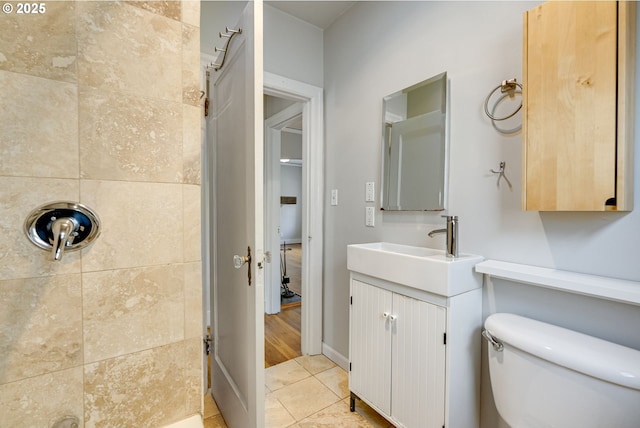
{"type": "Point", "coordinates": [319, 13]}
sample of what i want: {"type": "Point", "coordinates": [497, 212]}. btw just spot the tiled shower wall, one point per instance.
{"type": "Point", "coordinates": [99, 103]}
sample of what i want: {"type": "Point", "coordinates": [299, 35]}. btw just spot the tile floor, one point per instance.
{"type": "Point", "coordinates": [307, 392]}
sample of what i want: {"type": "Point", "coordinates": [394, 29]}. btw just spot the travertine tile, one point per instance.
{"type": "Point", "coordinates": [191, 65]}
{"type": "Point", "coordinates": [315, 363]}
{"type": "Point", "coordinates": [130, 310]}
{"type": "Point", "coordinates": [42, 400]}
{"type": "Point", "coordinates": [170, 9]}
{"type": "Point", "coordinates": [191, 143]}
{"type": "Point", "coordinates": [129, 138]}
{"type": "Point", "coordinates": [19, 196]}
{"type": "Point", "coordinates": [40, 326]}
{"type": "Point", "coordinates": [370, 415]}
{"type": "Point", "coordinates": [215, 422]}
{"type": "Point", "coordinates": [141, 389]}
{"type": "Point", "coordinates": [124, 48]}
{"type": "Point", "coordinates": [335, 416]}
{"type": "Point", "coordinates": [39, 124]}
{"type": "Point", "coordinates": [142, 224]}
{"type": "Point", "coordinates": [191, 12]}
{"type": "Point", "coordinates": [192, 224]}
{"type": "Point", "coordinates": [193, 300]}
{"type": "Point", "coordinates": [42, 44]}
{"type": "Point", "coordinates": [210, 407]}
{"type": "Point", "coordinates": [305, 397]}
{"type": "Point", "coordinates": [284, 374]}
{"type": "Point", "coordinates": [193, 354]}
{"type": "Point", "coordinates": [276, 416]}
{"type": "Point", "coordinates": [337, 380]}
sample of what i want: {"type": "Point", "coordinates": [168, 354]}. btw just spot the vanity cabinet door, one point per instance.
{"type": "Point", "coordinates": [397, 355]}
{"type": "Point", "coordinates": [578, 97]}
{"type": "Point", "coordinates": [418, 363]}
{"type": "Point", "coordinates": [370, 345]}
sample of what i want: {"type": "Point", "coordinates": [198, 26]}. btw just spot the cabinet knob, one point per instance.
{"type": "Point", "coordinates": [393, 317]}
{"type": "Point", "coordinates": [385, 314]}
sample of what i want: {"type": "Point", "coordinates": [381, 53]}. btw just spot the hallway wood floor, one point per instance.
{"type": "Point", "coordinates": [294, 267]}
{"type": "Point", "coordinates": [282, 336]}
{"type": "Point", "coordinates": [282, 331]}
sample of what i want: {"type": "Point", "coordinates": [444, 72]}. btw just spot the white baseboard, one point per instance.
{"type": "Point", "coordinates": [335, 356]}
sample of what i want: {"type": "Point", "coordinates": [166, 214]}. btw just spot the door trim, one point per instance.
{"type": "Point", "coordinates": [312, 193]}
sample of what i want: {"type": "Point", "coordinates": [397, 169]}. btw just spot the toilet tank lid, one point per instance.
{"type": "Point", "coordinates": [576, 351]}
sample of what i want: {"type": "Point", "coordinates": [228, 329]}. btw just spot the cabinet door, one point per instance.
{"type": "Point", "coordinates": [418, 363]}
{"type": "Point", "coordinates": [370, 345]}
{"type": "Point", "coordinates": [570, 75]}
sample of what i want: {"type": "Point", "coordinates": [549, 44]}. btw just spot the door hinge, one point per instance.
{"type": "Point", "coordinates": [206, 94]}
{"type": "Point", "coordinates": [349, 366]}
{"type": "Point", "coordinates": [207, 343]}
{"type": "Point", "coordinates": [445, 339]}
{"type": "Point", "coordinates": [351, 300]}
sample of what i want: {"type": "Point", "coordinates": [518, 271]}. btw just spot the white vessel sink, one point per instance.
{"type": "Point", "coordinates": [425, 269]}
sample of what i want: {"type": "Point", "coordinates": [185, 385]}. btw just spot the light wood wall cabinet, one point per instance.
{"type": "Point", "coordinates": [578, 99]}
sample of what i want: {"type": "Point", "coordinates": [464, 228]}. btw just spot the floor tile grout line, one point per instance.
{"type": "Point", "coordinates": [324, 408]}
{"type": "Point", "coordinates": [338, 396]}
{"type": "Point", "coordinates": [287, 410]}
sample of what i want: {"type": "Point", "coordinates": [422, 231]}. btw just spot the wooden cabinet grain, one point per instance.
{"type": "Point", "coordinates": [578, 98]}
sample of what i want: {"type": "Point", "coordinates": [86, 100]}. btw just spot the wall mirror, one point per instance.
{"type": "Point", "coordinates": [414, 147]}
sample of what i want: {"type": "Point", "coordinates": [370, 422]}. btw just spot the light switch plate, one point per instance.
{"type": "Point", "coordinates": [370, 195]}
{"type": "Point", "coordinates": [334, 197]}
{"type": "Point", "coordinates": [369, 216]}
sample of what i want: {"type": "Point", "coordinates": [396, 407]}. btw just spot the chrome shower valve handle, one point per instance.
{"type": "Point", "coordinates": [64, 232]}
{"type": "Point", "coordinates": [60, 227]}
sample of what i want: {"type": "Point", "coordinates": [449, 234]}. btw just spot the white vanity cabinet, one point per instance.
{"type": "Point", "coordinates": [398, 350]}
{"type": "Point", "coordinates": [414, 355]}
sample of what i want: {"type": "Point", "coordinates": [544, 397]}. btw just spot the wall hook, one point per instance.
{"type": "Point", "coordinates": [501, 173]}
{"type": "Point", "coordinates": [228, 35]}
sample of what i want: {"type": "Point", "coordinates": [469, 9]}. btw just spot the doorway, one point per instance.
{"type": "Point", "coordinates": [283, 229]}
{"type": "Point", "coordinates": [309, 100]}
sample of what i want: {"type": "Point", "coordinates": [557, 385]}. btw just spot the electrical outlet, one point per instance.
{"type": "Point", "coordinates": [370, 195]}
{"type": "Point", "coordinates": [370, 216]}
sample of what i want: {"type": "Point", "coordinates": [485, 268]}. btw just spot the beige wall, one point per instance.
{"type": "Point", "coordinates": [99, 103]}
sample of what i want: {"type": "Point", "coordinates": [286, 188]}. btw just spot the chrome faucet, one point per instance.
{"type": "Point", "coordinates": [452, 235]}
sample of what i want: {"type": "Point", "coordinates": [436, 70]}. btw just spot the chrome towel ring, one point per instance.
{"type": "Point", "coordinates": [509, 88]}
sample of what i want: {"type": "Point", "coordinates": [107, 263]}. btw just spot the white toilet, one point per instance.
{"type": "Point", "coordinates": [545, 376]}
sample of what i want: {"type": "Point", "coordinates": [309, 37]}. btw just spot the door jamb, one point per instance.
{"type": "Point", "coordinates": [311, 98]}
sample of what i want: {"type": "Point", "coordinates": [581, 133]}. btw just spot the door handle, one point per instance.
{"type": "Point", "coordinates": [239, 261]}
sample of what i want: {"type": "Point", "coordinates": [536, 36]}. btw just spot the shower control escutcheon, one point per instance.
{"type": "Point", "coordinates": [62, 226]}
